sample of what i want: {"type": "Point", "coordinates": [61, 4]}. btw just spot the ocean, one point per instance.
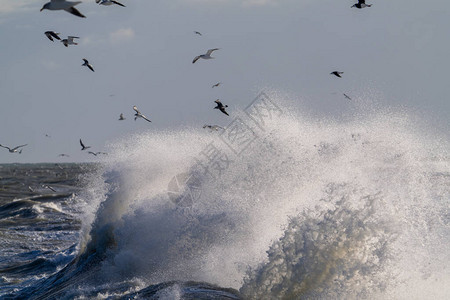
{"type": "Point", "coordinates": [276, 206]}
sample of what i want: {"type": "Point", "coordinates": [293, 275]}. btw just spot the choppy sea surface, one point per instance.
{"type": "Point", "coordinates": [299, 208]}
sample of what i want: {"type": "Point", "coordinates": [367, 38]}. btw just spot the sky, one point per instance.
{"type": "Point", "coordinates": [395, 53]}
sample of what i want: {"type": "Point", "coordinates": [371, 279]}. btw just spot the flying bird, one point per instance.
{"type": "Point", "coordinates": [63, 154]}
{"type": "Point", "coordinates": [139, 115]}
{"type": "Point", "coordinates": [83, 147]}
{"type": "Point", "coordinates": [69, 41]}
{"type": "Point", "coordinates": [221, 107]}
{"type": "Point", "coordinates": [87, 64]}
{"type": "Point", "coordinates": [109, 2]}
{"type": "Point", "coordinates": [217, 84]}
{"type": "Point", "coordinates": [51, 35]}
{"type": "Point", "coordinates": [196, 32]}
{"type": "Point", "coordinates": [207, 55]}
{"type": "Point", "coordinates": [15, 149]}
{"type": "Point", "coordinates": [361, 4]}
{"type": "Point", "coordinates": [121, 118]}
{"type": "Point", "coordinates": [347, 97]}
{"type": "Point", "coordinates": [63, 5]}
{"type": "Point", "coordinates": [337, 73]}
{"type": "Point", "coordinates": [97, 153]}
{"type": "Point", "coordinates": [213, 127]}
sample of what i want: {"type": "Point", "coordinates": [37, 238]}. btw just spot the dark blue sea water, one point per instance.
{"type": "Point", "coordinates": [306, 210]}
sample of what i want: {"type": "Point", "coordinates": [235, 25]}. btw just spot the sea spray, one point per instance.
{"type": "Point", "coordinates": [308, 209]}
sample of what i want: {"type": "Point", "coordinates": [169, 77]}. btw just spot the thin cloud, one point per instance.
{"type": "Point", "coordinates": [122, 35]}
{"type": "Point", "coordinates": [11, 6]}
{"type": "Point", "coordinates": [242, 2]}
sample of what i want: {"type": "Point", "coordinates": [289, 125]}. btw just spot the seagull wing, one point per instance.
{"type": "Point", "coordinates": [195, 59]}
{"type": "Point", "coordinates": [90, 67]}
{"type": "Point", "coordinates": [211, 51]}
{"type": "Point", "coordinates": [5, 147]}
{"type": "Point", "coordinates": [145, 118]}
{"type": "Point", "coordinates": [136, 110]}
{"type": "Point", "coordinates": [74, 11]}
{"type": "Point", "coordinates": [117, 3]}
{"type": "Point", "coordinates": [50, 188]}
{"type": "Point", "coordinates": [222, 109]}
{"type": "Point", "coordinates": [18, 147]}
{"type": "Point", "coordinates": [85, 61]}
{"type": "Point", "coordinates": [55, 35]}
{"type": "Point", "coordinates": [49, 35]}
{"type": "Point", "coordinates": [82, 145]}
{"type": "Point", "coordinates": [219, 103]}
{"type": "Point", "coordinates": [93, 153]}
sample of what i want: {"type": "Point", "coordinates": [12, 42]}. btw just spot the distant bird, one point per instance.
{"type": "Point", "coordinates": [221, 107]}
{"type": "Point", "coordinates": [64, 155]}
{"type": "Point", "coordinates": [97, 153]}
{"type": "Point", "coordinates": [51, 35]}
{"type": "Point", "coordinates": [337, 73]}
{"type": "Point", "coordinates": [196, 32]}
{"type": "Point", "coordinates": [30, 189]}
{"type": "Point", "coordinates": [213, 127]}
{"type": "Point", "coordinates": [69, 41]}
{"type": "Point", "coordinates": [63, 5]}
{"type": "Point", "coordinates": [207, 55]}
{"type": "Point", "coordinates": [361, 4]}
{"type": "Point", "coordinates": [121, 118]}
{"type": "Point", "coordinates": [83, 147]}
{"type": "Point", "coordinates": [108, 2]}
{"type": "Point", "coordinates": [47, 135]}
{"type": "Point", "coordinates": [139, 115]}
{"type": "Point", "coordinates": [87, 64]}
{"type": "Point", "coordinates": [217, 84]}
{"type": "Point", "coordinates": [15, 149]}
{"type": "Point", "coordinates": [48, 187]}
{"type": "Point", "coordinates": [347, 97]}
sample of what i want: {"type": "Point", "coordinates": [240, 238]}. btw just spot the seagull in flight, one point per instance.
{"type": "Point", "coordinates": [217, 84]}
{"type": "Point", "coordinates": [213, 127]}
{"type": "Point", "coordinates": [51, 35]}
{"type": "Point", "coordinates": [207, 55]}
{"type": "Point", "coordinates": [221, 107]}
{"type": "Point", "coordinates": [69, 41]}
{"type": "Point", "coordinates": [361, 4]}
{"type": "Point", "coordinates": [63, 154]}
{"type": "Point", "coordinates": [87, 64]}
{"type": "Point", "coordinates": [83, 147]}
{"type": "Point", "coordinates": [108, 2]}
{"type": "Point", "coordinates": [337, 73]}
{"type": "Point", "coordinates": [63, 5]}
{"type": "Point", "coordinates": [97, 153]}
{"type": "Point", "coordinates": [196, 32]}
{"type": "Point", "coordinates": [347, 97]}
{"type": "Point", "coordinates": [139, 115]}
{"type": "Point", "coordinates": [15, 149]}
{"type": "Point", "coordinates": [121, 118]}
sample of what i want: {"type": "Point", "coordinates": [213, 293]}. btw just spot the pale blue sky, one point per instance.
{"type": "Point", "coordinates": [394, 53]}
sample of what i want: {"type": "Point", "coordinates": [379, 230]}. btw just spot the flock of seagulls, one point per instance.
{"type": "Point", "coordinates": [69, 6]}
